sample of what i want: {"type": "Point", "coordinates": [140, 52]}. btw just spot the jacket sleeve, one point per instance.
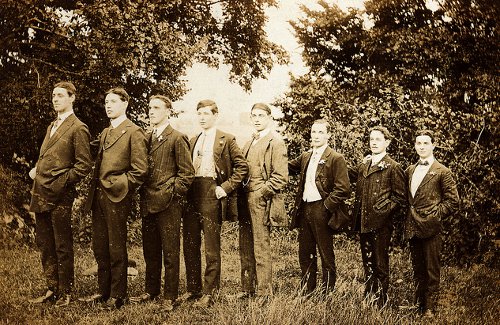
{"type": "Point", "coordinates": [278, 171]}
{"type": "Point", "coordinates": [398, 182]}
{"type": "Point", "coordinates": [83, 158]}
{"type": "Point", "coordinates": [239, 166]}
{"type": "Point", "coordinates": [294, 165]}
{"type": "Point", "coordinates": [138, 159]}
{"type": "Point", "coordinates": [185, 169]}
{"type": "Point", "coordinates": [451, 201]}
{"type": "Point", "coordinates": [341, 185]}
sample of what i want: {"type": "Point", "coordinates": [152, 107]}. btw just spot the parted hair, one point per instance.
{"type": "Point", "coordinates": [325, 122]}
{"type": "Point", "coordinates": [263, 107]}
{"type": "Point", "coordinates": [383, 130]}
{"type": "Point", "coordinates": [70, 88]}
{"type": "Point", "coordinates": [208, 103]}
{"type": "Point", "coordinates": [124, 96]}
{"type": "Point", "coordinates": [165, 99]}
{"type": "Point", "coordinates": [426, 132]}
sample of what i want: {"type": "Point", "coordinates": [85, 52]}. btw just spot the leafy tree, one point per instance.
{"type": "Point", "coordinates": [407, 65]}
{"type": "Point", "coordinates": [142, 45]}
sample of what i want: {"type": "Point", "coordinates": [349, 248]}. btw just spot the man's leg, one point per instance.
{"type": "Point", "coordinates": [191, 240]}
{"type": "Point", "coordinates": [100, 244]}
{"type": "Point", "coordinates": [419, 271]}
{"type": "Point", "coordinates": [381, 242]}
{"type": "Point", "coordinates": [152, 250]}
{"type": "Point", "coordinates": [63, 235]}
{"type": "Point", "coordinates": [46, 245]}
{"type": "Point", "coordinates": [432, 251]}
{"type": "Point", "coordinates": [367, 246]}
{"type": "Point", "coordinates": [246, 246]}
{"type": "Point", "coordinates": [308, 259]}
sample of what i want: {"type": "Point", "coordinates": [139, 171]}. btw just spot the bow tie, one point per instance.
{"type": "Point", "coordinates": [256, 136]}
{"type": "Point", "coordinates": [423, 162]}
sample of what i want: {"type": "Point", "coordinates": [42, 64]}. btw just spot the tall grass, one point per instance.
{"type": "Point", "coordinates": [468, 296]}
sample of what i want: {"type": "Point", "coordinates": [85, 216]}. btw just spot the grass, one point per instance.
{"type": "Point", "coordinates": [468, 296]}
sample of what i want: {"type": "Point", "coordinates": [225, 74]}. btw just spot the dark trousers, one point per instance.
{"type": "Point", "coordinates": [202, 213]}
{"type": "Point", "coordinates": [161, 234]}
{"type": "Point", "coordinates": [375, 255]}
{"type": "Point", "coordinates": [425, 258]}
{"type": "Point", "coordinates": [55, 242]}
{"type": "Point", "coordinates": [314, 231]}
{"type": "Point", "coordinates": [109, 243]}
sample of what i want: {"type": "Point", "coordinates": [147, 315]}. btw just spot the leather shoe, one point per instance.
{"type": "Point", "coordinates": [112, 304]}
{"type": "Point", "coordinates": [167, 305]}
{"type": "Point", "coordinates": [145, 297]}
{"type": "Point", "coordinates": [204, 302]}
{"type": "Point", "coordinates": [94, 299]}
{"type": "Point", "coordinates": [63, 300]}
{"type": "Point", "coordinates": [48, 296]}
{"type": "Point", "coordinates": [189, 296]}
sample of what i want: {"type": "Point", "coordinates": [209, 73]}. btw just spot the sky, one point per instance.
{"type": "Point", "coordinates": [209, 83]}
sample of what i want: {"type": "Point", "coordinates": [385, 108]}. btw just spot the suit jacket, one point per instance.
{"type": "Point", "coordinates": [63, 161]}
{"type": "Point", "coordinates": [332, 181]}
{"type": "Point", "coordinates": [121, 165]}
{"type": "Point", "coordinates": [171, 170]}
{"type": "Point", "coordinates": [231, 168]}
{"type": "Point", "coordinates": [380, 192]}
{"type": "Point", "coordinates": [435, 199]}
{"type": "Point", "coordinates": [274, 164]}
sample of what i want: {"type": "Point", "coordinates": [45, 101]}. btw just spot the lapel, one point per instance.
{"type": "Point", "coordinates": [368, 169]}
{"type": "Point", "coordinates": [46, 139]}
{"type": "Point", "coordinates": [430, 174]}
{"type": "Point", "coordinates": [163, 137]}
{"type": "Point", "coordinates": [116, 134]}
{"type": "Point", "coordinates": [66, 124]}
{"type": "Point", "coordinates": [326, 154]}
{"type": "Point", "coordinates": [192, 143]}
{"type": "Point", "coordinates": [305, 159]}
{"type": "Point", "coordinates": [218, 145]}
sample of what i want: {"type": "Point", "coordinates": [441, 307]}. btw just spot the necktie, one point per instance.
{"type": "Point", "coordinates": [423, 162]}
{"type": "Point", "coordinates": [55, 126]}
{"type": "Point", "coordinates": [199, 153]}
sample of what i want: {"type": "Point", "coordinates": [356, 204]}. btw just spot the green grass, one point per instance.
{"type": "Point", "coordinates": [469, 296]}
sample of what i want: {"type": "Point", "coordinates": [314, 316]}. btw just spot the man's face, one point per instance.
{"type": "Point", "coordinates": [115, 107]}
{"type": "Point", "coordinates": [319, 135]}
{"type": "Point", "coordinates": [260, 119]}
{"type": "Point", "coordinates": [206, 118]}
{"type": "Point", "coordinates": [61, 100]}
{"type": "Point", "coordinates": [158, 112]}
{"type": "Point", "coordinates": [378, 142]}
{"type": "Point", "coordinates": [424, 146]}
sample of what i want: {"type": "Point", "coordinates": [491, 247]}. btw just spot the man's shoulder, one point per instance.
{"type": "Point", "coordinates": [219, 133]}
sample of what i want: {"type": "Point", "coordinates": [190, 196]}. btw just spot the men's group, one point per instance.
{"type": "Point", "coordinates": [208, 179]}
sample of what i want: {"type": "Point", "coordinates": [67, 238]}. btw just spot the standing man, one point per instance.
{"type": "Point", "coordinates": [120, 168]}
{"type": "Point", "coordinates": [64, 160]}
{"type": "Point", "coordinates": [220, 167]}
{"type": "Point", "coordinates": [380, 192]}
{"type": "Point", "coordinates": [323, 187]}
{"type": "Point", "coordinates": [433, 196]}
{"type": "Point", "coordinates": [163, 197]}
{"type": "Point", "coordinates": [261, 205]}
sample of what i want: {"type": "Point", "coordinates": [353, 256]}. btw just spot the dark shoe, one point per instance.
{"type": "Point", "coordinates": [63, 300]}
{"type": "Point", "coordinates": [112, 304]}
{"type": "Point", "coordinates": [189, 296]}
{"type": "Point", "coordinates": [94, 299]}
{"type": "Point", "coordinates": [48, 296]}
{"type": "Point", "coordinates": [204, 302]}
{"type": "Point", "coordinates": [145, 297]}
{"type": "Point", "coordinates": [240, 295]}
{"type": "Point", "coordinates": [167, 305]}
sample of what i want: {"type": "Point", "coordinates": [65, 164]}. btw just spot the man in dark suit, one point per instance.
{"type": "Point", "coordinates": [323, 187]}
{"type": "Point", "coordinates": [120, 168]}
{"type": "Point", "coordinates": [63, 161]}
{"type": "Point", "coordinates": [219, 168]}
{"type": "Point", "coordinates": [162, 199]}
{"type": "Point", "coordinates": [261, 203]}
{"type": "Point", "coordinates": [432, 197]}
{"type": "Point", "coordinates": [380, 192]}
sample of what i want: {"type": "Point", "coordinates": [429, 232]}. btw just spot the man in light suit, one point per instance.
{"type": "Point", "coordinates": [63, 161]}
{"type": "Point", "coordinates": [261, 204]}
{"type": "Point", "coordinates": [380, 192]}
{"type": "Point", "coordinates": [220, 167]}
{"type": "Point", "coordinates": [120, 168]}
{"type": "Point", "coordinates": [323, 187]}
{"type": "Point", "coordinates": [162, 198]}
{"type": "Point", "coordinates": [432, 197]}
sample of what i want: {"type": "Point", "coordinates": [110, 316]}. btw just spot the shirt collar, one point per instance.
{"type": "Point", "coordinates": [430, 160]}
{"type": "Point", "coordinates": [264, 132]}
{"type": "Point", "coordinates": [209, 132]}
{"type": "Point", "coordinates": [377, 157]}
{"type": "Point", "coordinates": [64, 116]}
{"type": "Point", "coordinates": [161, 128]}
{"type": "Point", "coordinates": [320, 150]}
{"type": "Point", "coordinates": [117, 121]}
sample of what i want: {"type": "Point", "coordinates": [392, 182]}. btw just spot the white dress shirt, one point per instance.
{"type": "Point", "coordinates": [157, 131]}
{"type": "Point", "coordinates": [311, 193]}
{"type": "Point", "coordinates": [262, 134]}
{"type": "Point", "coordinates": [59, 121]}
{"type": "Point", "coordinates": [419, 174]}
{"type": "Point", "coordinates": [203, 154]}
{"type": "Point", "coordinates": [117, 121]}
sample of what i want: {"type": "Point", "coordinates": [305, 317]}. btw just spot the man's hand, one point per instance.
{"type": "Point", "coordinates": [32, 173]}
{"type": "Point", "coordinates": [220, 193]}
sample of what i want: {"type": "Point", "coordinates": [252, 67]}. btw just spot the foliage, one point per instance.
{"type": "Point", "coordinates": [142, 45]}
{"type": "Point", "coordinates": [403, 65]}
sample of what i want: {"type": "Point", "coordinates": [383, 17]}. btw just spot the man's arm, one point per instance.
{"type": "Point", "coordinates": [295, 165]}
{"type": "Point", "coordinates": [138, 159]}
{"type": "Point", "coordinates": [451, 200]}
{"type": "Point", "coordinates": [185, 172]}
{"type": "Point", "coordinates": [278, 170]}
{"type": "Point", "coordinates": [398, 183]}
{"type": "Point", "coordinates": [341, 185]}
{"type": "Point", "coordinates": [239, 165]}
{"type": "Point", "coordinates": [83, 157]}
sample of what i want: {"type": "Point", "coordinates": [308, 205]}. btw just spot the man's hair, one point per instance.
{"type": "Point", "coordinates": [261, 106]}
{"type": "Point", "coordinates": [426, 132]}
{"type": "Point", "coordinates": [325, 122]}
{"type": "Point", "coordinates": [208, 103]}
{"type": "Point", "coordinates": [165, 99]}
{"type": "Point", "coordinates": [120, 92]}
{"type": "Point", "coordinates": [70, 88]}
{"type": "Point", "coordinates": [383, 130]}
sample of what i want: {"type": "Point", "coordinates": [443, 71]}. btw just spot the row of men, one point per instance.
{"type": "Point", "coordinates": [223, 182]}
